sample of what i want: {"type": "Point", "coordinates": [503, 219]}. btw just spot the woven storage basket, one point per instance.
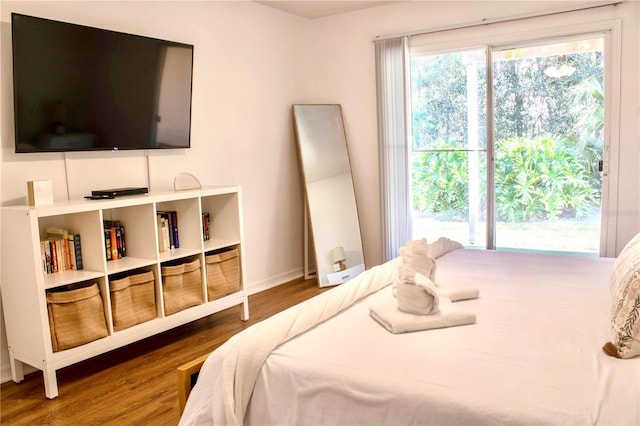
{"type": "Point", "coordinates": [223, 274]}
{"type": "Point", "coordinates": [181, 286]}
{"type": "Point", "coordinates": [132, 300]}
{"type": "Point", "coordinates": [76, 317]}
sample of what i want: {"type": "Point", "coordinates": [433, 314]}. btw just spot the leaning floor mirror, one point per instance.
{"type": "Point", "coordinates": [330, 195]}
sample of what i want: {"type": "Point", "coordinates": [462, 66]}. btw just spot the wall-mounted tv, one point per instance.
{"type": "Point", "coordinates": [78, 88]}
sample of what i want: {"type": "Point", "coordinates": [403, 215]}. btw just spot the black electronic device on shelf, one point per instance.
{"type": "Point", "coordinates": [119, 192]}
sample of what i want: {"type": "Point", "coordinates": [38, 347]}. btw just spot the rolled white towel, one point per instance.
{"type": "Point", "coordinates": [419, 246]}
{"type": "Point", "coordinates": [417, 256]}
{"type": "Point", "coordinates": [456, 294]}
{"type": "Point", "coordinates": [415, 293]}
{"type": "Point", "coordinates": [456, 290]}
{"type": "Point", "coordinates": [442, 246]}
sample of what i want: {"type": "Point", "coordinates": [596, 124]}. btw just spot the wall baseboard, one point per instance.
{"type": "Point", "coordinates": [256, 287]}
{"type": "Point", "coordinates": [5, 372]}
{"type": "Point", "coordinates": [285, 277]}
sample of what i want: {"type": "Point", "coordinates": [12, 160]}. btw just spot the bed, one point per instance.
{"type": "Point", "coordinates": [533, 355]}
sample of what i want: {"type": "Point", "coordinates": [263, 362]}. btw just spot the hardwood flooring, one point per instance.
{"type": "Point", "coordinates": [137, 384]}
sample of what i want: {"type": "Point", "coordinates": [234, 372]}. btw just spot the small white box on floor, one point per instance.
{"type": "Point", "coordinates": [40, 192]}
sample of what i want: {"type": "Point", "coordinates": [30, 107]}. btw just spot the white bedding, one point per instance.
{"type": "Point", "coordinates": [533, 357]}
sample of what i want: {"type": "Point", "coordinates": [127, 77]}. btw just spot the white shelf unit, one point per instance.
{"type": "Point", "coordinates": [25, 284]}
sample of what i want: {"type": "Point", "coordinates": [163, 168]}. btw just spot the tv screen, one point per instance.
{"type": "Point", "coordinates": [79, 88]}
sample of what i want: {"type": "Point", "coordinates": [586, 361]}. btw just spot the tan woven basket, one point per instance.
{"type": "Point", "coordinates": [181, 286]}
{"type": "Point", "coordinates": [132, 300]}
{"type": "Point", "coordinates": [223, 274]}
{"type": "Point", "coordinates": [76, 317]}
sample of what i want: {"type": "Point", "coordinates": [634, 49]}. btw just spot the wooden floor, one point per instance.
{"type": "Point", "coordinates": [137, 384]}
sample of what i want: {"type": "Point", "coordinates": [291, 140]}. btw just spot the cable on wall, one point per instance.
{"type": "Point", "coordinates": [146, 154]}
{"type": "Point", "coordinates": [66, 175]}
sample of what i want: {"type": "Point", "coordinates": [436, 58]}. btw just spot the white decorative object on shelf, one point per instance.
{"type": "Point", "coordinates": [40, 192]}
{"type": "Point", "coordinates": [184, 181]}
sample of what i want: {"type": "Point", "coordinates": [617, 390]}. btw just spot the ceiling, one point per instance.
{"type": "Point", "coordinates": [313, 9]}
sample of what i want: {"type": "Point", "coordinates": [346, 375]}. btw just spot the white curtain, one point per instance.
{"type": "Point", "coordinates": [391, 81]}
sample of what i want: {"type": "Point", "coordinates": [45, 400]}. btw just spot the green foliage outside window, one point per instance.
{"type": "Point", "coordinates": [537, 179]}
{"type": "Point", "coordinates": [548, 132]}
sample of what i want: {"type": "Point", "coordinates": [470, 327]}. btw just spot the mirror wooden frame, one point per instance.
{"type": "Point", "coordinates": [329, 192]}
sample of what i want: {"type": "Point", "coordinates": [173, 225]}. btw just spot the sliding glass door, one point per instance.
{"type": "Point", "coordinates": [530, 179]}
{"type": "Point", "coordinates": [449, 149]}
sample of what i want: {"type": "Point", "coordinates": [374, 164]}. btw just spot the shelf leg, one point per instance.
{"type": "Point", "coordinates": [50, 382]}
{"type": "Point", "coordinates": [244, 314]}
{"type": "Point", "coordinates": [17, 372]}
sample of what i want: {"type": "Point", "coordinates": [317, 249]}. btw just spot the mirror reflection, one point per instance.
{"type": "Point", "coordinates": [330, 195]}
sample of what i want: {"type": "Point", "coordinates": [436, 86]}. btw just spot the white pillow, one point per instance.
{"type": "Point", "coordinates": [625, 306]}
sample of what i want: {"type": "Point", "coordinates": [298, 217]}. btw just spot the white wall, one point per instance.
{"type": "Point", "coordinates": [247, 74]}
{"type": "Point", "coordinates": [344, 73]}
{"type": "Point", "coordinates": [251, 63]}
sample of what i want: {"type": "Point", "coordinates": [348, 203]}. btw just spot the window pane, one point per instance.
{"type": "Point", "coordinates": [449, 196]}
{"type": "Point", "coordinates": [448, 160]}
{"type": "Point", "coordinates": [448, 100]}
{"type": "Point", "coordinates": [549, 121]}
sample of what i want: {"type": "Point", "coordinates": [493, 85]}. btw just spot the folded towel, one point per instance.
{"type": "Point", "coordinates": [456, 294]}
{"type": "Point", "coordinates": [442, 246]}
{"type": "Point", "coordinates": [387, 314]}
{"type": "Point", "coordinates": [417, 256]}
{"type": "Point", "coordinates": [416, 294]}
{"type": "Point", "coordinates": [418, 246]}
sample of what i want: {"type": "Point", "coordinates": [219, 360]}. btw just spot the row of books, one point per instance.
{"type": "Point", "coordinates": [114, 241]}
{"type": "Point", "coordinates": [60, 250]}
{"type": "Point", "coordinates": [205, 226]}
{"type": "Point", "coordinates": [167, 230]}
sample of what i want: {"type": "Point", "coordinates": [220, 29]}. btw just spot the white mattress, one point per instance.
{"type": "Point", "coordinates": [533, 357]}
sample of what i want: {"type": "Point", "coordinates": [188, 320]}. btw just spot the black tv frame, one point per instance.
{"type": "Point", "coordinates": [80, 143]}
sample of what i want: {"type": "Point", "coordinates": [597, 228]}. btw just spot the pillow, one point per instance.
{"type": "Point", "coordinates": [625, 306]}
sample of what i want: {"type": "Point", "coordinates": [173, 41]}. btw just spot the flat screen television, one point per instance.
{"type": "Point", "coordinates": [78, 88]}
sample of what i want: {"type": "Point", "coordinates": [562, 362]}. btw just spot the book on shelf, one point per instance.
{"type": "Point", "coordinates": [71, 251]}
{"type": "Point", "coordinates": [107, 244]}
{"type": "Point", "coordinates": [55, 255]}
{"type": "Point", "coordinates": [166, 223]}
{"type": "Point", "coordinates": [205, 226]}
{"type": "Point", "coordinates": [43, 257]}
{"type": "Point", "coordinates": [60, 251]}
{"type": "Point", "coordinates": [163, 233]}
{"type": "Point", "coordinates": [62, 257]}
{"type": "Point", "coordinates": [114, 243]}
{"type": "Point", "coordinates": [66, 251]}
{"type": "Point", "coordinates": [115, 247]}
{"type": "Point", "coordinates": [48, 265]}
{"type": "Point", "coordinates": [78, 251]}
{"type": "Point", "coordinates": [122, 248]}
{"type": "Point", "coordinates": [55, 233]}
{"type": "Point", "coordinates": [174, 228]}
{"type": "Point", "coordinates": [170, 217]}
